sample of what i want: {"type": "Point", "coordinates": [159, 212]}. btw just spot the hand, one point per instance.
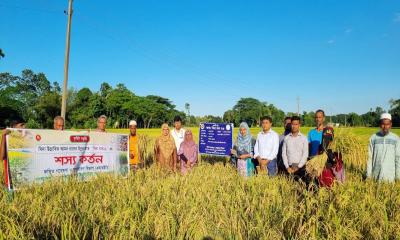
{"type": "Point", "coordinates": [295, 169]}
{"type": "Point", "coordinates": [6, 131]}
{"type": "Point", "coordinates": [131, 156]}
{"type": "Point", "coordinates": [242, 157]}
{"type": "Point", "coordinates": [263, 162]}
{"type": "Point", "coordinates": [233, 151]}
{"type": "Point", "coordinates": [289, 170]}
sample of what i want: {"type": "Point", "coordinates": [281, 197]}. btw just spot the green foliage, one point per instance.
{"type": "Point", "coordinates": [251, 110]}
{"type": "Point", "coordinates": [212, 202]}
{"type": "Point", "coordinates": [395, 111]}
{"type": "Point", "coordinates": [32, 97]}
{"type": "Point", "coordinates": [29, 96]}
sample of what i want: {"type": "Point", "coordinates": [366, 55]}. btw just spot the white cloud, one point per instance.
{"type": "Point", "coordinates": [397, 18]}
{"type": "Point", "coordinates": [331, 41]}
{"type": "Point", "coordinates": [349, 30]}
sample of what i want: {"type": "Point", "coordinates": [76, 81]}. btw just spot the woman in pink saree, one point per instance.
{"type": "Point", "coordinates": [188, 152]}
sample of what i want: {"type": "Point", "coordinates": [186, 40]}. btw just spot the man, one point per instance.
{"type": "Point", "coordinates": [101, 124]}
{"type": "Point", "coordinates": [315, 135]}
{"type": "Point", "coordinates": [287, 126]}
{"type": "Point", "coordinates": [266, 147]}
{"type": "Point", "coordinates": [384, 152]}
{"type": "Point", "coordinates": [295, 150]}
{"type": "Point", "coordinates": [178, 133]}
{"type": "Point", "coordinates": [59, 123]}
{"type": "Point", "coordinates": [134, 150]}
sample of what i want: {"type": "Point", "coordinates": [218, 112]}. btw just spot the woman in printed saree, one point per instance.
{"type": "Point", "coordinates": [243, 151]}
{"type": "Point", "coordinates": [165, 149]}
{"type": "Point", "coordinates": [188, 152]}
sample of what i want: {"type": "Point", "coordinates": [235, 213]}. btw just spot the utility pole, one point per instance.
{"type": "Point", "coordinates": [298, 106]}
{"type": "Point", "coordinates": [187, 107]}
{"type": "Point", "coordinates": [66, 63]}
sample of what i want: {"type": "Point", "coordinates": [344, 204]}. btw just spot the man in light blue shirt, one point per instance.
{"type": "Point", "coordinates": [384, 153]}
{"type": "Point", "coordinates": [266, 147]}
{"type": "Point", "coordinates": [315, 135]}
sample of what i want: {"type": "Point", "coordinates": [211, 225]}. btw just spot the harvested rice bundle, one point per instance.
{"type": "Point", "coordinates": [315, 166]}
{"type": "Point", "coordinates": [261, 171]}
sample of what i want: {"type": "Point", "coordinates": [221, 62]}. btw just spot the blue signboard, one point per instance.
{"type": "Point", "coordinates": [215, 138]}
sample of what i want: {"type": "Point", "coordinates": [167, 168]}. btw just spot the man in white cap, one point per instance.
{"type": "Point", "coordinates": [384, 153]}
{"type": "Point", "coordinates": [134, 150]}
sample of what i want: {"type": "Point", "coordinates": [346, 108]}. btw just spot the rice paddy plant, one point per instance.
{"type": "Point", "coordinates": [211, 202]}
{"type": "Point", "coordinates": [353, 149]}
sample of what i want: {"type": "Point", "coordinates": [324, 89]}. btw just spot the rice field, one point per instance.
{"type": "Point", "coordinates": [212, 202]}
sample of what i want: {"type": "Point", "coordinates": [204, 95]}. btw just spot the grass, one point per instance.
{"type": "Point", "coordinates": [212, 202]}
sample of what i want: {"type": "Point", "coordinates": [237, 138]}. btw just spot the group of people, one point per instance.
{"type": "Point", "coordinates": [176, 149]}
{"type": "Point", "coordinates": [270, 153]}
{"type": "Point", "coordinates": [289, 153]}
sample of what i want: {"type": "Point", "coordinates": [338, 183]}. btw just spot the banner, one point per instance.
{"type": "Point", "coordinates": [37, 155]}
{"type": "Point", "coordinates": [215, 138]}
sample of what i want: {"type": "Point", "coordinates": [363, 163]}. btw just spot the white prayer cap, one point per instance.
{"type": "Point", "coordinates": [386, 116]}
{"type": "Point", "coordinates": [132, 123]}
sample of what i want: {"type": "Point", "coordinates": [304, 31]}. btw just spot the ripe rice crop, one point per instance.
{"type": "Point", "coordinates": [211, 202]}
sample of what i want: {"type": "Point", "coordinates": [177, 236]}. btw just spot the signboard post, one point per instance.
{"type": "Point", "coordinates": [215, 138]}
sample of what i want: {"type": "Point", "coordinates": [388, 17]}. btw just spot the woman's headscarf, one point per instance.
{"type": "Point", "coordinates": [166, 143]}
{"type": "Point", "coordinates": [188, 144]}
{"type": "Point", "coordinates": [244, 142]}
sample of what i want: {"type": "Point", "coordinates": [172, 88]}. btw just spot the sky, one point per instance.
{"type": "Point", "coordinates": [341, 56]}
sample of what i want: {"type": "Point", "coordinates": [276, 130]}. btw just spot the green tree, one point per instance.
{"type": "Point", "coordinates": [395, 111]}
{"type": "Point", "coordinates": [80, 108]}
{"type": "Point", "coordinates": [46, 108]}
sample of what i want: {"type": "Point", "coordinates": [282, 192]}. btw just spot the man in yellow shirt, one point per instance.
{"type": "Point", "coordinates": [134, 150]}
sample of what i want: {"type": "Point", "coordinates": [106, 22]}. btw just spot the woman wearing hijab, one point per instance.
{"type": "Point", "coordinates": [165, 149]}
{"type": "Point", "coordinates": [188, 152]}
{"type": "Point", "coordinates": [243, 151]}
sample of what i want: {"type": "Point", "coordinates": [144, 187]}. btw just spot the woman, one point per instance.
{"type": "Point", "coordinates": [165, 149]}
{"type": "Point", "coordinates": [188, 152]}
{"type": "Point", "coordinates": [243, 151]}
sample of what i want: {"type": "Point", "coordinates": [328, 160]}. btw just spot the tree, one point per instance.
{"type": "Point", "coordinates": [248, 110]}
{"type": "Point", "coordinates": [161, 100]}
{"type": "Point", "coordinates": [308, 118]}
{"type": "Point", "coordinates": [47, 107]}
{"type": "Point", "coordinates": [251, 110]}
{"type": "Point", "coordinates": [80, 108]}
{"type": "Point", "coordinates": [229, 116]}
{"type": "Point", "coordinates": [395, 111]}
{"type": "Point", "coordinates": [354, 119]}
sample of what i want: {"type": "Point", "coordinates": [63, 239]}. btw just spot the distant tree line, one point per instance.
{"type": "Point", "coordinates": [35, 99]}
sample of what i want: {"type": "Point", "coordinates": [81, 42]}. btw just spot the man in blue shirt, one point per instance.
{"type": "Point", "coordinates": [315, 135]}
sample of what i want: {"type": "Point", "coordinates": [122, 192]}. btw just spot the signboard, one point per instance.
{"type": "Point", "coordinates": [37, 155]}
{"type": "Point", "coordinates": [215, 138]}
